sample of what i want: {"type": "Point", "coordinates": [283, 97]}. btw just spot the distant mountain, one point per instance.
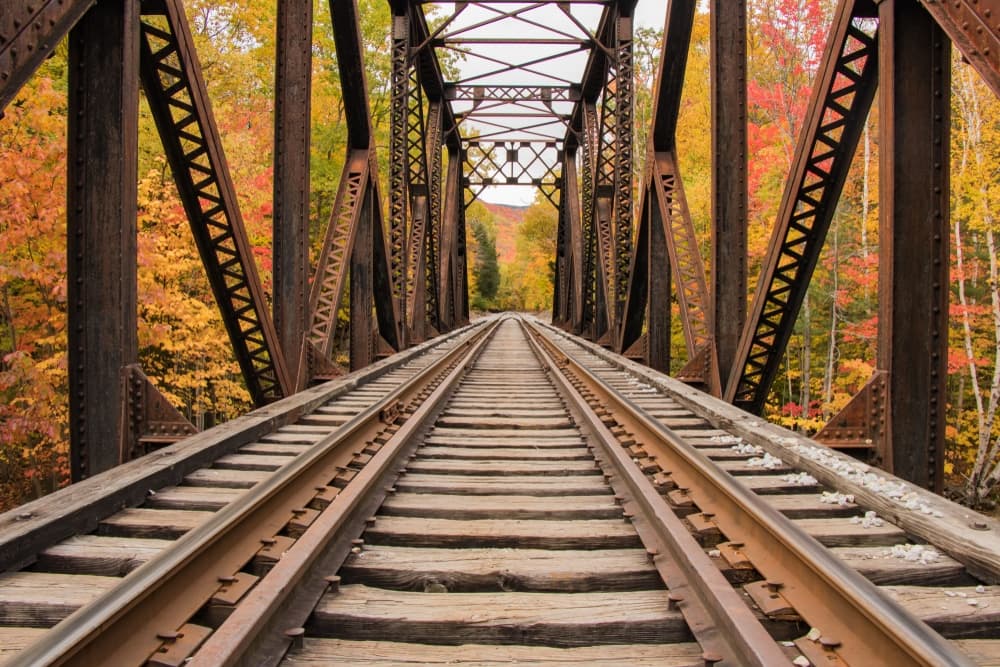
{"type": "Point", "coordinates": [507, 219]}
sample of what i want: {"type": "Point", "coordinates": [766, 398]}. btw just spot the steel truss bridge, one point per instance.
{"type": "Point", "coordinates": [545, 99]}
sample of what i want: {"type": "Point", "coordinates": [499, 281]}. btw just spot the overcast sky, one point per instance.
{"type": "Point", "coordinates": [648, 14]}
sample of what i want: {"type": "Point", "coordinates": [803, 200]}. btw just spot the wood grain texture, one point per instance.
{"type": "Point", "coordinates": [524, 485]}
{"type": "Point", "coordinates": [951, 611]}
{"type": "Point", "coordinates": [207, 498]}
{"type": "Point", "coordinates": [879, 566]}
{"type": "Point", "coordinates": [505, 468]}
{"type": "Point", "coordinates": [579, 453]}
{"type": "Point", "coordinates": [501, 507]}
{"type": "Point", "coordinates": [524, 534]}
{"type": "Point", "coordinates": [844, 533]}
{"type": "Point", "coordinates": [42, 599]}
{"type": "Point", "coordinates": [12, 640]}
{"type": "Point", "coordinates": [472, 569]}
{"type": "Point", "coordinates": [390, 654]}
{"type": "Point", "coordinates": [141, 522]}
{"type": "Point", "coordinates": [548, 619]}
{"type": "Point", "coordinates": [99, 555]}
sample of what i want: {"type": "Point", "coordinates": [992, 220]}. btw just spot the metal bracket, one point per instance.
{"type": "Point", "coordinates": [149, 420]}
{"type": "Point", "coordinates": [861, 423]}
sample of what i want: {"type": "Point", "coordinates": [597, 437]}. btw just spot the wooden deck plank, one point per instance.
{"type": "Point", "coordinates": [526, 485]}
{"type": "Point", "coordinates": [809, 506]}
{"type": "Point", "coordinates": [845, 533]}
{"type": "Point", "coordinates": [983, 652]}
{"type": "Point", "coordinates": [500, 507]}
{"type": "Point", "coordinates": [42, 599]}
{"type": "Point", "coordinates": [233, 479]}
{"type": "Point", "coordinates": [881, 567]}
{"type": "Point", "coordinates": [549, 619]}
{"type": "Point", "coordinates": [250, 462]}
{"type": "Point", "coordinates": [391, 654]}
{"type": "Point", "coordinates": [141, 522]}
{"type": "Point", "coordinates": [506, 468]}
{"type": "Point", "coordinates": [468, 570]}
{"type": "Point", "coordinates": [13, 640]}
{"type": "Point", "coordinates": [437, 440]}
{"type": "Point", "coordinates": [207, 498]}
{"type": "Point", "coordinates": [960, 612]}
{"type": "Point", "coordinates": [503, 453]}
{"type": "Point", "coordinates": [556, 423]}
{"type": "Point", "coordinates": [500, 533]}
{"type": "Point", "coordinates": [99, 555]}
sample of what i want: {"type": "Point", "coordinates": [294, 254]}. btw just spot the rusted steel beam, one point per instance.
{"type": "Point", "coordinates": [570, 198]}
{"type": "Point", "coordinates": [103, 140]}
{"type": "Point", "coordinates": [729, 178]}
{"type": "Point", "coordinates": [974, 30]}
{"type": "Point", "coordinates": [658, 313]}
{"type": "Point", "coordinates": [178, 99]}
{"type": "Point", "coordinates": [677, 27]}
{"type": "Point", "coordinates": [435, 135]}
{"type": "Point", "coordinates": [334, 258]}
{"type": "Point", "coordinates": [353, 78]}
{"type": "Point", "coordinates": [149, 420]}
{"type": "Point", "coordinates": [682, 243]}
{"type": "Point", "coordinates": [290, 218]}
{"type": "Point", "coordinates": [450, 218]}
{"type": "Point", "coordinates": [29, 33]}
{"type": "Point", "coordinates": [840, 101]}
{"type": "Point", "coordinates": [914, 196]}
{"type": "Point", "coordinates": [637, 296]}
{"type": "Point", "coordinates": [398, 164]}
{"type": "Point", "coordinates": [624, 109]}
{"type": "Point", "coordinates": [362, 295]}
{"type": "Point", "coordinates": [465, 93]}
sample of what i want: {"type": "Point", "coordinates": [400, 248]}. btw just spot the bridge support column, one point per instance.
{"type": "Point", "coordinates": [729, 178]}
{"type": "Point", "coordinates": [914, 94]}
{"type": "Point", "coordinates": [101, 228]}
{"type": "Point", "coordinates": [362, 293]}
{"type": "Point", "coordinates": [293, 78]}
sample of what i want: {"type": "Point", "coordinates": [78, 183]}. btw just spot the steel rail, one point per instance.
{"type": "Point", "coordinates": [252, 632]}
{"type": "Point", "coordinates": [129, 623]}
{"type": "Point", "coordinates": [863, 625]}
{"type": "Point", "coordinates": [721, 622]}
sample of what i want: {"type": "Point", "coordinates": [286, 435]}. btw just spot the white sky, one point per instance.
{"type": "Point", "coordinates": [648, 13]}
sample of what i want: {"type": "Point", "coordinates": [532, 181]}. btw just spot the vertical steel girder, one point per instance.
{"type": "Point", "coordinates": [588, 143]}
{"type": "Point", "coordinates": [290, 220]}
{"type": "Point", "coordinates": [435, 131]}
{"type": "Point", "coordinates": [399, 163]}
{"type": "Point", "coordinates": [569, 201]}
{"type": "Point", "coordinates": [841, 99]}
{"type": "Point", "coordinates": [362, 340]}
{"type": "Point", "coordinates": [178, 99]}
{"type": "Point", "coordinates": [101, 214]}
{"type": "Point", "coordinates": [29, 33]}
{"type": "Point", "coordinates": [914, 233]}
{"type": "Point", "coordinates": [560, 285]}
{"type": "Point", "coordinates": [729, 178]}
{"type": "Point", "coordinates": [450, 216]}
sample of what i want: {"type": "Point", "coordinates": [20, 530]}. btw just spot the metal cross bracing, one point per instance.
{"type": "Point", "coordinates": [501, 92]}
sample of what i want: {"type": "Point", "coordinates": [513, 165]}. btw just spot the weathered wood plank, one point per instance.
{"type": "Point", "coordinates": [207, 498]}
{"type": "Point", "coordinates": [141, 522]}
{"type": "Point", "coordinates": [845, 533]}
{"type": "Point", "coordinates": [505, 468]}
{"type": "Point", "coordinates": [490, 442]}
{"type": "Point", "coordinates": [983, 652]}
{"type": "Point", "coordinates": [774, 484]}
{"type": "Point", "coordinates": [961, 612]}
{"type": "Point", "coordinates": [250, 462]}
{"type": "Point", "coordinates": [387, 654]}
{"type": "Point", "coordinates": [508, 433]}
{"type": "Point", "coordinates": [99, 555]}
{"type": "Point", "coordinates": [274, 449]}
{"type": "Point", "coordinates": [881, 567]}
{"type": "Point", "coordinates": [500, 507]}
{"type": "Point", "coordinates": [548, 619]}
{"type": "Point", "coordinates": [491, 485]}
{"type": "Point", "coordinates": [557, 423]}
{"type": "Point", "coordinates": [12, 640]}
{"type": "Point", "coordinates": [471, 569]}
{"type": "Point", "coordinates": [42, 599]}
{"type": "Point", "coordinates": [499, 533]}
{"type": "Point", "coordinates": [505, 453]}
{"type": "Point", "coordinates": [809, 506]}
{"type": "Point", "coordinates": [233, 479]}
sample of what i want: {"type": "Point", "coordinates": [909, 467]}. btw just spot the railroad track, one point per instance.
{"type": "Point", "coordinates": [535, 500]}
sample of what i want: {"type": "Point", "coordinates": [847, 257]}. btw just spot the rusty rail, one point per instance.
{"type": "Point", "coordinates": [150, 610]}
{"type": "Point", "coordinates": [856, 620]}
